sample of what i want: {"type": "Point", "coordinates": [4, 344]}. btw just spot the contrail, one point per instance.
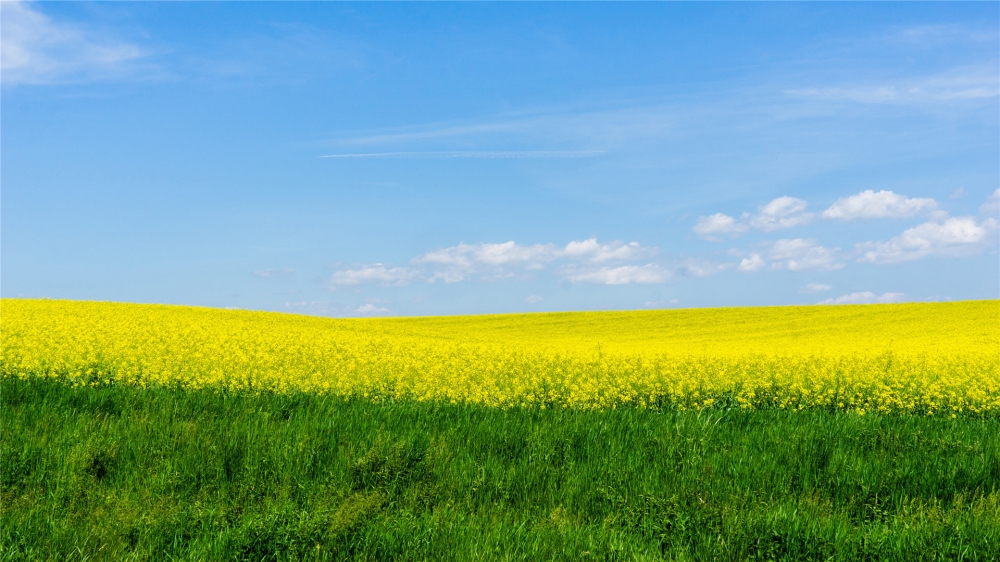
{"type": "Point", "coordinates": [477, 154]}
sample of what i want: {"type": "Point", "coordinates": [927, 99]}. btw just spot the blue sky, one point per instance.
{"type": "Point", "coordinates": [412, 159]}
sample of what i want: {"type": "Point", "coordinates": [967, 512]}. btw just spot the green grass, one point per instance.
{"type": "Point", "coordinates": [122, 473]}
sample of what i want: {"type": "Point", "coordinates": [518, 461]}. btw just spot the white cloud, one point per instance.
{"type": "Point", "coordinates": [590, 250]}
{"type": "Point", "coordinates": [624, 275]}
{"type": "Point", "coordinates": [751, 264]}
{"type": "Point", "coordinates": [871, 205]}
{"type": "Point", "coordinates": [991, 207]}
{"type": "Point", "coordinates": [456, 263]}
{"type": "Point", "coordinates": [533, 299]}
{"type": "Point", "coordinates": [783, 212]}
{"type": "Point", "coordinates": [787, 212]}
{"type": "Point", "coordinates": [866, 297]}
{"type": "Point", "coordinates": [509, 252]}
{"type": "Point", "coordinates": [34, 49]}
{"type": "Point", "coordinates": [495, 254]}
{"type": "Point", "coordinates": [708, 227]}
{"type": "Point", "coordinates": [373, 274]}
{"type": "Point", "coordinates": [815, 288]}
{"type": "Point", "coordinates": [324, 308]}
{"type": "Point", "coordinates": [800, 254]}
{"type": "Point", "coordinates": [951, 237]}
{"type": "Point", "coordinates": [272, 272]}
{"type": "Point", "coordinates": [703, 268]}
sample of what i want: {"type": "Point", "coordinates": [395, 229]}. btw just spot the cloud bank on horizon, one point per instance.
{"type": "Point", "coordinates": [583, 261]}
{"type": "Point", "coordinates": [422, 159]}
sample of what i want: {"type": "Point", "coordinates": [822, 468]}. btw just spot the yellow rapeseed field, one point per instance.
{"type": "Point", "coordinates": [926, 358]}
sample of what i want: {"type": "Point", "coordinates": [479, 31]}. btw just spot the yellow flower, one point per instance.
{"type": "Point", "coordinates": [916, 358]}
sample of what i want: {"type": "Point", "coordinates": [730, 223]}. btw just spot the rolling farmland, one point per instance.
{"type": "Point", "coordinates": [146, 432]}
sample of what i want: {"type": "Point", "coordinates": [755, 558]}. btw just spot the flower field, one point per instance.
{"type": "Point", "coordinates": [148, 432]}
{"type": "Point", "coordinates": [922, 358]}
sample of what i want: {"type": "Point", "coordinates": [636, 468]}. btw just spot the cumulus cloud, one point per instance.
{"type": "Point", "coordinates": [533, 299]}
{"type": "Point", "coordinates": [34, 49]}
{"type": "Point", "coordinates": [788, 212]}
{"type": "Point", "coordinates": [590, 250]}
{"type": "Point", "coordinates": [815, 288]}
{"type": "Point", "coordinates": [703, 268]}
{"type": "Point", "coordinates": [457, 263]}
{"type": "Point", "coordinates": [711, 226]}
{"type": "Point", "coordinates": [492, 254]}
{"type": "Point", "coordinates": [751, 264]}
{"type": "Point", "coordinates": [373, 274]}
{"type": "Point", "coordinates": [956, 236]}
{"type": "Point", "coordinates": [883, 204]}
{"type": "Point", "coordinates": [866, 297]}
{"type": "Point", "coordinates": [783, 212]}
{"type": "Point", "coordinates": [798, 254]}
{"type": "Point", "coordinates": [370, 308]}
{"type": "Point", "coordinates": [624, 275]}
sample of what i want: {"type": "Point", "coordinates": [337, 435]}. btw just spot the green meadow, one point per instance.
{"type": "Point", "coordinates": [119, 472]}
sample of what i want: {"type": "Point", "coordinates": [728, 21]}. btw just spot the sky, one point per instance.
{"type": "Point", "coordinates": [441, 158]}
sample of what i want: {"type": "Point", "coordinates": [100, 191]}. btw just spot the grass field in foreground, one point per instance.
{"type": "Point", "coordinates": [922, 358]}
{"type": "Point", "coordinates": [116, 472]}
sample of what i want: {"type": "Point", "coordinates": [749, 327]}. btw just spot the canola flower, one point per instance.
{"type": "Point", "coordinates": [922, 358]}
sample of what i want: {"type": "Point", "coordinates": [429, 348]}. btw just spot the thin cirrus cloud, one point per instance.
{"type": "Point", "coordinates": [273, 272]}
{"type": "Point", "coordinates": [815, 288]}
{"type": "Point", "coordinates": [787, 212]}
{"type": "Point", "coordinates": [600, 128]}
{"type": "Point", "coordinates": [501, 154]}
{"type": "Point", "coordinates": [35, 49]}
{"type": "Point", "coordinates": [934, 35]}
{"type": "Point", "coordinates": [962, 84]}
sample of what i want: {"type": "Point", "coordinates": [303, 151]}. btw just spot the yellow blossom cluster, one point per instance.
{"type": "Point", "coordinates": [924, 358]}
